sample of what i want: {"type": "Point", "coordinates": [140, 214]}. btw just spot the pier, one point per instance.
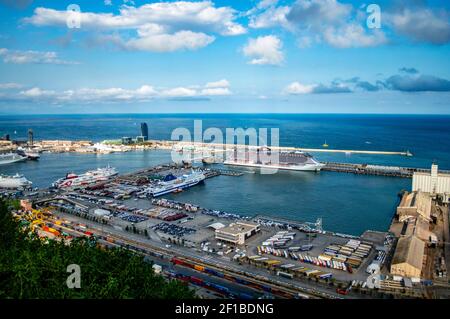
{"type": "Point", "coordinates": [366, 169]}
{"type": "Point", "coordinates": [218, 147]}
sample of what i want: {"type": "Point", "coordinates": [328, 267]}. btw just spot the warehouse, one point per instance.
{"type": "Point", "coordinates": [413, 205]}
{"type": "Point", "coordinates": [237, 233]}
{"type": "Point", "coordinates": [408, 257]}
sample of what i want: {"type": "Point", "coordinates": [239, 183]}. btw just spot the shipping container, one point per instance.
{"type": "Point", "coordinates": [199, 268]}
{"type": "Point", "coordinates": [284, 274]}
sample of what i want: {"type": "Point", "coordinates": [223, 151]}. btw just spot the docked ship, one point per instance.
{"type": "Point", "coordinates": [28, 153]}
{"type": "Point", "coordinates": [294, 160]}
{"type": "Point", "coordinates": [88, 178]}
{"type": "Point", "coordinates": [172, 184]}
{"type": "Point", "coordinates": [16, 182]}
{"type": "Point", "coordinates": [8, 158]}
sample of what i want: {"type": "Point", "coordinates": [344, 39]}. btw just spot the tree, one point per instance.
{"type": "Point", "coordinates": [31, 269]}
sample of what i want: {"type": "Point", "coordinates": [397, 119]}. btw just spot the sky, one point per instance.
{"type": "Point", "coordinates": [246, 56]}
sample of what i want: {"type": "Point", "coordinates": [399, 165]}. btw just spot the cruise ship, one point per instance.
{"type": "Point", "coordinates": [90, 177]}
{"type": "Point", "coordinates": [295, 160]}
{"type": "Point", "coordinates": [8, 158]}
{"type": "Point", "coordinates": [174, 184]}
{"type": "Point", "coordinates": [16, 181]}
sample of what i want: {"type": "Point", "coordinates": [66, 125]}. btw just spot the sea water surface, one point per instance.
{"type": "Point", "coordinates": [346, 202]}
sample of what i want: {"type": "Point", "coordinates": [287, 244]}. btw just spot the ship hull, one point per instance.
{"type": "Point", "coordinates": [175, 187]}
{"type": "Point", "coordinates": [306, 167]}
{"type": "Point", "coordinates": [11, 161]}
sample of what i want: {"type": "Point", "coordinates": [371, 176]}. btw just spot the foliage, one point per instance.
{"type": "Point", "coordinates": [30, 268]}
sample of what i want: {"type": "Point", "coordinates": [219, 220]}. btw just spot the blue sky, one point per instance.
{"type": "Point", "coordinates": [264, 56]}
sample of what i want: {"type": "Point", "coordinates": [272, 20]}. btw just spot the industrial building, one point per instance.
{"type": "Point", "coordinates": [434, 183]}
{"type": "Point", "coordinates": [414, 204]}
{"type": "Point", "coordinates": [408, 257]}
{"type": "Point", "coordinates": [237, 233]}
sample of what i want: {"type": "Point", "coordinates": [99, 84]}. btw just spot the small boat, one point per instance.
{"type": "Point", "coordinates": [178, 190]}
{"type": "Point", "coordinates": [325, 144]}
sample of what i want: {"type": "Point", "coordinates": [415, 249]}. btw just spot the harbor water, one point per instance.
{"type": "Point", "coordinates": [347, 203]}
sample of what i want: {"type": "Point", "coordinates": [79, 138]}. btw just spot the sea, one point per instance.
{"type": "Point", "coordinates": [347, 203]}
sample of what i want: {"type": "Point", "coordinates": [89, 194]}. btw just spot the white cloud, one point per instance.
{"type": "Point", "coordinates": [218, 84]}
{"type": "Point", "coordinates": [179, 92]}
{"type": "Point", "coordinates": [38, 57]}
{"type": "Point", "coordinates": [264, 50]}
{"type": "Point", "coordinates": [155, 23]}
{"type": "Point", "coordinates": [421, 24]}
{"type": "Point", "coordinates": [215, 91]}
{"type": "Point", "coordinates": [170, 42]}
{"type": "Point", "coordinates": [107, 2]}
{"type": "Point", "coordinates": [273, 16]}
{"type": "Point", "coordinates": [297, 88]}
{"type": "Point", "coordinates": [8, 86]}
{"type": "Point", "coordinates": [353, 35]}
{"type": "Point", "coordinates": [37, 93]}
{"type": "Point", "coordinates": [316, 21]}
{"type": "Point", "coordinates": [115, 94]}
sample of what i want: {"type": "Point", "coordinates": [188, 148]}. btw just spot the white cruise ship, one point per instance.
{"type": "Point", "coordinates": [88, 178]}
{"type": "Point", "coordinates": [175, 184]}
{"type": "Point", "coordinates": [8, 158]}
{"type": "Point", "coordinates": [17, 181]}
{"type": "Point", "coordinates": [296, 161]}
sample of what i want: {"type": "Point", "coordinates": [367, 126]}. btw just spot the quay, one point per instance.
{"type": "Point", "coordinates": [62, 146]}
{"type": "Point", "coordinates": [367, 169]}
{"type": "Point", "coordinates": [285, 148]}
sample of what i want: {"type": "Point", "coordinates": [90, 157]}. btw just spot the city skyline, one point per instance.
{"type": "Point", "coordinates": [304, 56]}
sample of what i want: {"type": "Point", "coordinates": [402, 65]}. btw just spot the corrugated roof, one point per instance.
{"type": "Point", "coordinates": [409, 250]}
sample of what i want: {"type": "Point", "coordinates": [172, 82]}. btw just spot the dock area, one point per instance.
{"type": "Point", "coordinates": [367, 169]}
{"type": "Point", "coordinates": [217, 147]}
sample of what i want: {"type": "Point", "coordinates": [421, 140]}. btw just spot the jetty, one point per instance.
{"type": "Point", "coordinates": [367, 169]}
{"type": "Point", "coordinates": [218, 147]}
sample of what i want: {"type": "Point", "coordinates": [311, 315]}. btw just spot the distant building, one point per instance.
{"type": "Point", "coordinates": [140, 139]}
{"type": "Point", "coordinates": [127, 140]}
{"type": "Point", "coordinates": [434, 183]}
{"type": "Point", "coordinates": [144, 131]}
{"type": "Point", "coordinates": [30, 137]}
{"type": "Point", "coordinates": [408, 257]}
{"type": "Point", "coordinates": [237, 233]}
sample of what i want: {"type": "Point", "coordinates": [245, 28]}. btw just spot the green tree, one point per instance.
{"type": "Point", "coordinates": [30, 268]}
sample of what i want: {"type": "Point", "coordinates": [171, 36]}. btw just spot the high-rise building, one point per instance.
{"type": "Point", "coordinates": [144, 131]}
{"type": "Point", "coordinates": [30, 137]}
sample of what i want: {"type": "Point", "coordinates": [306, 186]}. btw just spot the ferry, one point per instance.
{"type": "Point", "coordinates": [15, 182]}
{"type": "Point", "coordinates": [295, 160]}
{"type": "Point", "coordinates": [90, 177]}
{"type": "Point", "coordinates": [176, 184]}
{"type": "Point", "coordinates": [28, 153]}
